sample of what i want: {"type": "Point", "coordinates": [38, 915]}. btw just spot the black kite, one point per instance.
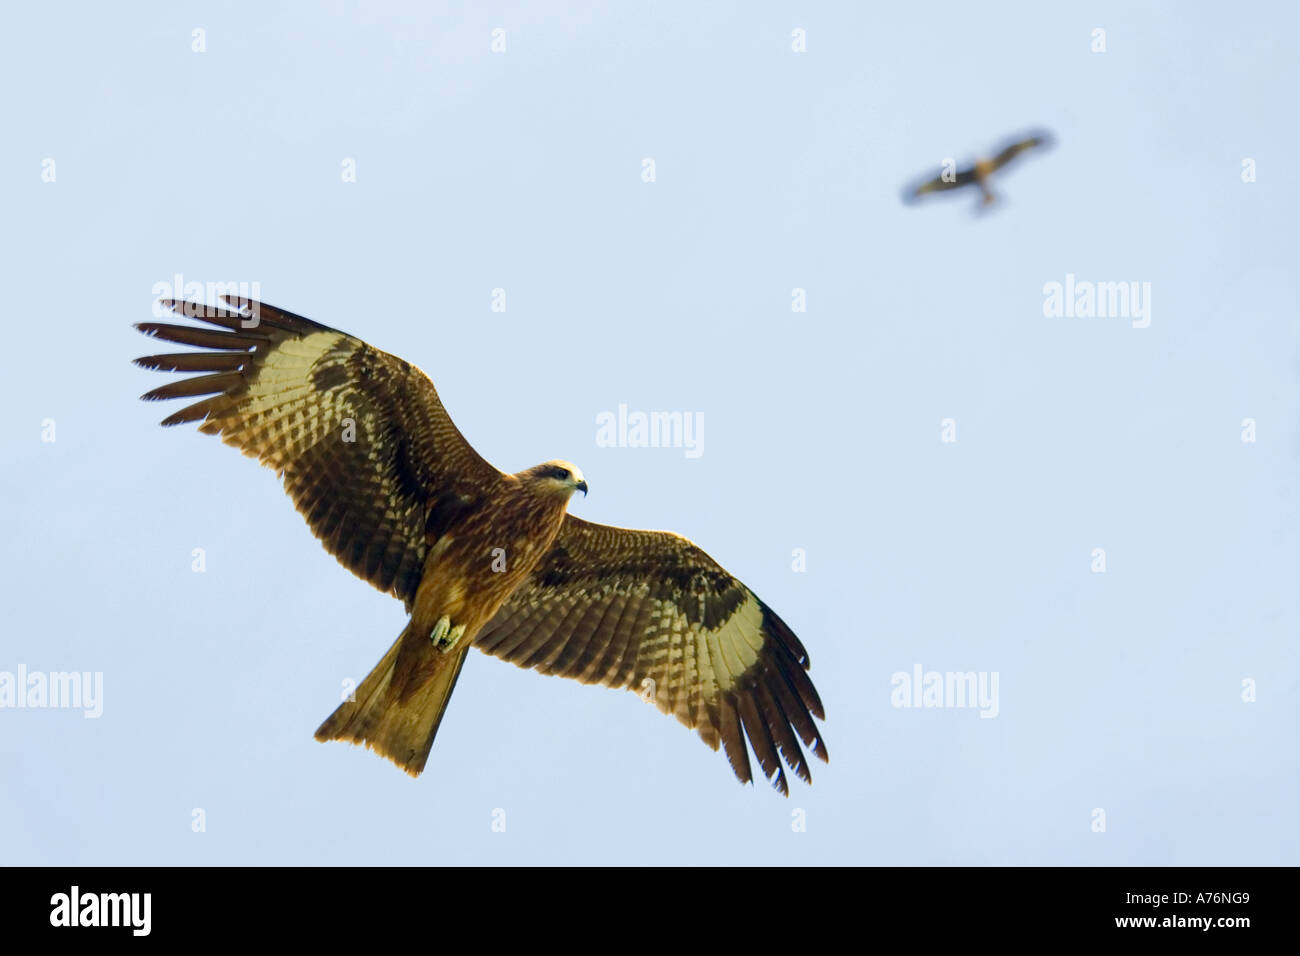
{"type": "Point", "coordinates": [393, 490]}
{"type": "Point", "coordinates": [980, 173]}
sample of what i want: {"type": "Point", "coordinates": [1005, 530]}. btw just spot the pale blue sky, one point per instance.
{"type": "Point", "coordinates": [775, 170]}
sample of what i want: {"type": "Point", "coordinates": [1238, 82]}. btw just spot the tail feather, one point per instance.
{"type": "Point", "coordinates": [398, 707]}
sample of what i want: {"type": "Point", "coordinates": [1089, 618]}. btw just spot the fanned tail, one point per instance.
{"type": "Point", "coordinates": [400, 704]}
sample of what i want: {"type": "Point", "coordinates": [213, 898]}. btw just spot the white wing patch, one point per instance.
{"type": "Point", "coordinates": [710, 658]}
{"type": "Point", "coordinates": [283, 401]}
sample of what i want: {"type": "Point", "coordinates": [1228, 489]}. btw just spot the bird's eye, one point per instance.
{"type": "Point", "coordinates": [561, 474]}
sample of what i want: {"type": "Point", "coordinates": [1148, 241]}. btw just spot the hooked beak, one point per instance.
{"type": "Point", "coordinates": [581, 486]}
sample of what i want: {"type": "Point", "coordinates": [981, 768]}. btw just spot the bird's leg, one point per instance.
{"type": "Point", "coordinates": [453, 636]}
{"type": "Point", "coordinates": [444, 636]}
{"type": "Point", "coordinates": [440, 629]}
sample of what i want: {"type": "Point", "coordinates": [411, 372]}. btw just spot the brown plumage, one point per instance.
{"type": "Point", "coordinates": [980, 173]}
{"type": "Point", "coordinates": [393, 490]}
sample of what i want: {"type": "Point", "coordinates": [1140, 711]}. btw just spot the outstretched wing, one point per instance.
{"type": "Point", "coordinates": [1012, 150]}
{"type": "Point", "coordinates": [366, 450]}
{"type": "Point", "coordinates": [939, 184]}
{"type": "Point", "coordinates": [650, 611]}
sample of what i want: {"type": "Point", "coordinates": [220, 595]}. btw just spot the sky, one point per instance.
{"type": "Point", "coordinates": [905, 449]}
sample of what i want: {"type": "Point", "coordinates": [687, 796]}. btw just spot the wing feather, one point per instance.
{"type": "Point", "coordinates": [938, 184]}
{"type": "Point", "coordinates": [733, 740]}
{"type": "Point", "coordinates": [760, 738]}
{"type": "Point", "coordinates": [359, 437]}
{"type": "Point", "coordinates": [615, 606]}
{"type": "Point", "coordinates": [1012, 150]}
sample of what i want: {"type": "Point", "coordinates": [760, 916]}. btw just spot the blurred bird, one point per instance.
{"type": "Point", "coordinates": [980, 172]}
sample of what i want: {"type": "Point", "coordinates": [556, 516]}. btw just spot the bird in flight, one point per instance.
{"type": "Point", "coordinates": [479, 557]}
{"type": "Point", "coordinates": [980, 172]}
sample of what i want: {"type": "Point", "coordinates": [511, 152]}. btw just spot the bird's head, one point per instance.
{"type": "Point", "coordinates": [557, 478]}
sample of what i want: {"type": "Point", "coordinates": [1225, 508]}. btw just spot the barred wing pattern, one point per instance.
{"type": "Point", "coordinates": [366, 451]}
{"type": "Point", "coordinates": [616, 607]}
